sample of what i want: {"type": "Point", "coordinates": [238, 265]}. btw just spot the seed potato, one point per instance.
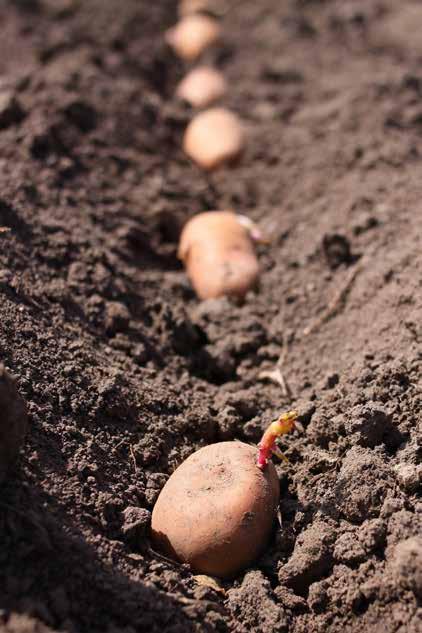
{"type": "Point", "coordinates": [219, 255]}
{"type": "Point", "coordinates": [192, 35]}
{"type": "Point", "coordinates": [213, 138]}
{"type": "Point", "coordinates": [217, 510]}
{"type": "Point", "coordinates": [202, 87]}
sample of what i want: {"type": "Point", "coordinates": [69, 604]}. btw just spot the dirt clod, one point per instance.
{"type": "Point", "coordinates": [407, 564]}
{"type": "Point", "coordinates": [311, 558]}
{"type": "Point", "coordinates": [10, 109]}
{"type": "Point", "coordinates": [337, 250]}
{"type": "Point", "coordinates": [13, 421]}
{"type": "Point", "coordinates": [135, 525]}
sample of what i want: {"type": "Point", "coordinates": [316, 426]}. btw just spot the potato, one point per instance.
{"type": "Point", "coordinates": [217, 250]}
{"type": "Point", "coordinates": [202, 86]}
{"type": "Point", "coordinates": [217, 509]}
{"type": "Point", "coordinates": [213, 138]}
{"type": "Point", "coordinates": [192, 35]}
{"type": "Point", "coordinates": [13, 421]}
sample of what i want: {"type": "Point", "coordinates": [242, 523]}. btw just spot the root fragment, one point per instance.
{"type": "Point", "coordinates": [335, 304]}
{"type": "Point", "coordinates": [276, 375]}
{"type": "Point", "coordinates": [132, 454]}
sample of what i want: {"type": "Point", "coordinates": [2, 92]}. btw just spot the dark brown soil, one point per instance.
{"type": "Point", "coordinates": [126, 374]}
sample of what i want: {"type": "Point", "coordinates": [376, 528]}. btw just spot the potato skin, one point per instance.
{"type": "Point", "coordinates": [219, 255]}
{"type": "Point", "coordinates": [202, 86]}
{"type": "Point", "coordinates": [192, 35]}
{"type": "Point", "coordinates": [217, 510]}
{"type": "Point", "coordinates": [13, 421]}
{"type": "Point", "coordinates": [214, 138]}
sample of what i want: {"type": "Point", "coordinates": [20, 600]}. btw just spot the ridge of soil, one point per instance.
{"type": "Point", "coordinates": [125, 373]}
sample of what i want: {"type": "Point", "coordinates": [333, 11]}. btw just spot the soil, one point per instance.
{"type": "Point", "coordinates": [125, 373]}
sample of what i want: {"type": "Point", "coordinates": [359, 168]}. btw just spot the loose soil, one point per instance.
{"type": "Point", "coordinates": [125, 373]}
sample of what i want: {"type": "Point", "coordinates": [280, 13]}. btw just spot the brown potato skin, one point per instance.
{"type": "Point", "coordinates": [214, 138]}
{"type": "Point", "coordinates": [202, 87]}
{"type": "Point", "coordinates": [13, 421]}
{"type": "Point", "coordinates": [217, 510]}
{"type": "Point", "coordinates": [219, 255]}
{"type": "Point", "coordinates": [192, 35]}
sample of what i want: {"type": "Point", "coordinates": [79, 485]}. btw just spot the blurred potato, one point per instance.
{"type": "Point", "coordinates": [214, 137]}
{"type": "Point", "coordinates": [218, 252]}
{"type": "Point", "coordinates": [217, 509]}
{"type": "Point", "coordinates": [192, 35]}
{"type": "Point", "coordinates": [202, 87]}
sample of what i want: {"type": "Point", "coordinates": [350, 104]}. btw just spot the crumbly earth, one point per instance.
{"type": "Point", "coordinates": [125, 373]}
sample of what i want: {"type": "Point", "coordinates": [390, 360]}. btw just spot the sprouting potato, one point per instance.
{"type": "Point", "coordinates": [202, 87]}
{"type": "Point", "coordinates": [219, 255]}
{"type": "Point", "coordinates": [214, 137]}
{"type": "Point", "coordinates": [192, 35]}
{"type": "Point", "coordinates": [217, 510]}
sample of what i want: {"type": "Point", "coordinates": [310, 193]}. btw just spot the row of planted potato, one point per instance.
{"type": "Point", "coordinates": [217, 247]}
{"type": "Point", "coordinates": [217, 510]}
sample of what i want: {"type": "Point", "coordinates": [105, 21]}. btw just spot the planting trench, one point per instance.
{"type": "Point", "coordinates": [126, 373]}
